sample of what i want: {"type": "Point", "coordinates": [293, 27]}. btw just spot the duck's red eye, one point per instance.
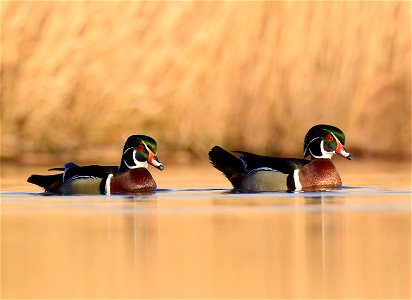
{"type": "Point", "coordinates": [140, 148]}
{"type": "Point", "coordinates": [329, 138]}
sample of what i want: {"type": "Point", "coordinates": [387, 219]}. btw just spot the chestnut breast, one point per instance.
{"type": "Point", "coordinates": [132, 181]}
{"type": "Point", "coordinates": [319, 173]}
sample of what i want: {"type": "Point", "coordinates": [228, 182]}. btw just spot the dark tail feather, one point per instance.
{"type": "Point", "coordinates": [51, 183]}
{"type": "Point", "coordinates": [228, 164]}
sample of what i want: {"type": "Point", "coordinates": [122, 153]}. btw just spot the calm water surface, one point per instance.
{"type": "Point", "coordinates": [195, 239]}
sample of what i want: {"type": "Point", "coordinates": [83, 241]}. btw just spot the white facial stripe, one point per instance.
{"type": "Point", "coordinates": [325, 154]}
{"type": "Point", "coordinates": [147, 148]}
{"type": "Point", "coordinates": [138, 164]}
{"type": "Point", "coordinates": [314, 154]}
{"type": "Point", "coordinates": [309, 145]}
{"type": "Point", "coordinates": [127, 150]}
{"type": "Point", "coordinates": [335, 137]}
{"type": "Point", "coordinates": [343, 151]}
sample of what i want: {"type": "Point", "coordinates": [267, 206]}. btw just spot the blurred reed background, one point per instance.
{"type": "Point", "coordinates": [79, 77]}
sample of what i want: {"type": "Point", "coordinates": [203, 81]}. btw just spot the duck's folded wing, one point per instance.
{"type": "Point", "coordinates": [284, 165]}
{"type": "Point", "coordinates": [92, 171]}
{"type": "Point", "coordinates": [66, 166]}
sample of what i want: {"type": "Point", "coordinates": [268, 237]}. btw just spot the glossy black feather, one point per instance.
{"type": "Point", "coordinates": [91, 171]}
{"type": "Point", "coordinates": [51, 183]}
{"type": "Point", "coordinates": [228, 164]}
{"type": "Point", "coordinates": [284, 165]}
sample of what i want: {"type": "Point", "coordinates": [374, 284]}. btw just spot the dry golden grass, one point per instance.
{"type": "Point", "coordinates": [82, 76]}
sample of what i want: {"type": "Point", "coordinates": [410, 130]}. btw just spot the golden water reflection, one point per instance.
{"type": "Point", "coordinates": [207, 244]}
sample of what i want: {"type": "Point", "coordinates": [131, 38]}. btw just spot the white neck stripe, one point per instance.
{"type": "Point", "coordinates": [147, 148]}
{"type": "Point", "coordinates": [138, 164]}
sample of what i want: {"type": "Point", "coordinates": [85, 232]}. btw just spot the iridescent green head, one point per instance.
{"type": "Point", "coordinates": [323, 141]}
{"type": "Point", "coordinates": [138, 151]}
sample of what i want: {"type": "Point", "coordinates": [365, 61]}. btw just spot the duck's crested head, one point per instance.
{"type": "Point", "coordinates": [323, 141]}
{"type": "Point", "coordinates": [138, 151]}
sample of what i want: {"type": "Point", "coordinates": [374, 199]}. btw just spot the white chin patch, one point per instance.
{"type": "Point", "coordinates": [325, 154]}
{"type": "Point", "coordinates": [137, 164]}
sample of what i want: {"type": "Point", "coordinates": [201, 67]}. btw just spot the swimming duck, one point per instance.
{"type": "Point", "coordinates": [256, 173]}
{"type": "Point", "coordinates": [130, 177]}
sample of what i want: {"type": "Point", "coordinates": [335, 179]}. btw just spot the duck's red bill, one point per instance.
{"type": "Point", "coordinates": [342, 151]}
{"type": "Point", "coordinates": [154, 161]}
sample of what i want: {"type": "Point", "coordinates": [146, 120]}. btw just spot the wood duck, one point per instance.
{"type": "Point", "coordinates": [132, 176]}
{"type": "Point", "coordinates": [256, 173]}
